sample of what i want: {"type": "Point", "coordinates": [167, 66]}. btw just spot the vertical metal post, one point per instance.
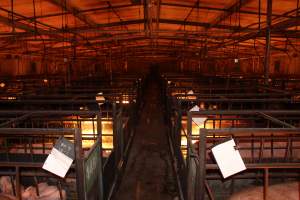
{"type": "Point", "coordinates": [202, 164]}
{"type": "Point", "coordinates": [189, 132]}
{"type": "Point", "coordinates": [110, 67]}
{"type": "Point", "coordinates": [120, 134]}
{"type": "Point", "coordinates": [79, 156]}
{"type": "Point", "coordinates": [115, 134]}
{"type": "Point", "coordinates": [12, 16]}
{"type": "Point", "coordinates": [299, 189]}
{"type": "Point", "coordinates": [18, 185]}
{"type": "Point", "coordinates": [190, 194]}
{"type": "Point", "coordinates": [266, 183]}
{"type": "Point", "coordinates": [259, 14]}
{"type": "Point", "coordinates": [178, 128]}
{"type": "Point", "coordinates": [100, 175]}
{"type": "Point", "coordinates": [268, 42]}
{"type": "Point", "coordinates": [146, 17]}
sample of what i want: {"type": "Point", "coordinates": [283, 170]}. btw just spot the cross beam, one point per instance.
{"type": "Point", "coordinates": [75, 11]}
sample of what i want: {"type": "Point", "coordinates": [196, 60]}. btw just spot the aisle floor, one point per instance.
{"type": "Point", "coordinates": [149, 173]}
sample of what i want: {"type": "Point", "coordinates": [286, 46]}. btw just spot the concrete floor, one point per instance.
{"type": "Point", "coordinates": [149, 174]}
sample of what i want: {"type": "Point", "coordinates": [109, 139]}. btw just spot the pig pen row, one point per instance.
{"type": "Point", "coordinates": [30, 85]}
{"type": "Point", "coordinates": [203, 112]}
{"type": "Point", "coordinates": [114, 133]}
{"type": "Point", "coordinates": [230, 92]}
{"type": "Point", "coordinates": [100, 122]}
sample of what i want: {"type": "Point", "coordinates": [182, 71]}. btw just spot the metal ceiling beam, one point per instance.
{"type": "Point", "coordinates": [202, 7]}
{"type": "Point", "coordinates": [229, 11]}
{"type": "Point", "coordinates": [142, 49]}
{"type": "Point", "coordinates": [281, 26]}
{"type": "Point", "coordinates": [31, 30]}
{"type": "Point", "coordinates": [190, 12]}
{"type": "Point", "coordinates": [75, 11]}
{"type": "Point", "coordinates": [18, 25]}
{"type": "Point", "coordinates": [277, 29]}
{"type": "Point", "coordinates": [201, 24]}
{"type": "Point", "coordinates": [119, 40]}
{"type": "Point", "coordinates": [24, 35]}
{"type": "Point", "coordinates": [114, 11]}
{"type": "Point", "coordinates": [83, 29]}
{"type": "Point", "coordinates": [82, 11]}
{"type": "Point", "coordinates": [116, 7]}
{"type": "Point", "coordinates": [76, 30]}
{"type": "Point", "coordinates": [113, 43]}
{"type": "Point", "coordinates": [26, 27]}
{"type": "Point", "coordinates": [111, 24]}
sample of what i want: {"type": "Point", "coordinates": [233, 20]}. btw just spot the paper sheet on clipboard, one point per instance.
{"type": "Point", "coordinates": [228, 158]}
{"type": "Point", "coordinates": [199, 121]}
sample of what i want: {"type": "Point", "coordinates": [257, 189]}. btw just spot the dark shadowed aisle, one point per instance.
{"type": "Point", "coordinates": [149, 173]}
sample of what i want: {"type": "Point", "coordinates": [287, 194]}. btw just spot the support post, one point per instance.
{"type": "Point", "coordinates": [268, 42]}
{"type": "Point", "coordinates": [115, 135]}
{"type": "Point", "coordinates": [147, 18]}
{"type": "Point", "coordinates": [99, 132]}
{"type": "Point", "coordinates": [79, 156]}
{"type": "Point", "coordinates": [202, 164]}
{"type": "Point", "coordinates": [18, 185]}
{"type": "Point", "coordinates": [266, 183]}
{"type": "Point", "coordinates": [189, 184]}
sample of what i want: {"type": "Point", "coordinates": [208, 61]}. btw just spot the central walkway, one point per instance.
{"type": "Point", "coordinates": [149, 173]}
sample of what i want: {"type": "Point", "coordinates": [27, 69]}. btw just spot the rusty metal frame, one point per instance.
{"type": "Point", "coordinates": [75, 133]}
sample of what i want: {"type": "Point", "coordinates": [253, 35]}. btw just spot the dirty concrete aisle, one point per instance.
{"type": "Point", "coordinates": [149, 173]}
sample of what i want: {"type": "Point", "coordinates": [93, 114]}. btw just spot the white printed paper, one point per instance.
{"type": "Point", "coordinates": [228, 158]}
{"type": "Point", "coordinates": [100, 98]}
{"type": "Point", "coordinates": [195, 109]}
{"type": "Point", "coordinates": [190, 92]}
{"type": "Point", "coordinates": [191, 97]}
{"type": "Point", "coordinates": [199, 121]}
{"type": "Point", "coordinates": [57, 163]}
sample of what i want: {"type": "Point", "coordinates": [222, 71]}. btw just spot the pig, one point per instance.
{"type": "Point", "coordinates": [7, 197]}
{"type": "Point", "coordinates": [6, 186]}
{"type": "Point", "coordinates": [284, 191]}
{"type": "Point", "coordinates": [46, 193]}
{"type": "Point", "coordinates": [36, 149]}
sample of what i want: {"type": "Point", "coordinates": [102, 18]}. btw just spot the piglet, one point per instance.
{"type": "Point", "coordinates": [6, 186]}
{"type": "Point", "coordinates": [46, 193]}
{"type": "Point", "coordinates": [283, 191]}
{"type": "Point", "coordinates": [7, 197]}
